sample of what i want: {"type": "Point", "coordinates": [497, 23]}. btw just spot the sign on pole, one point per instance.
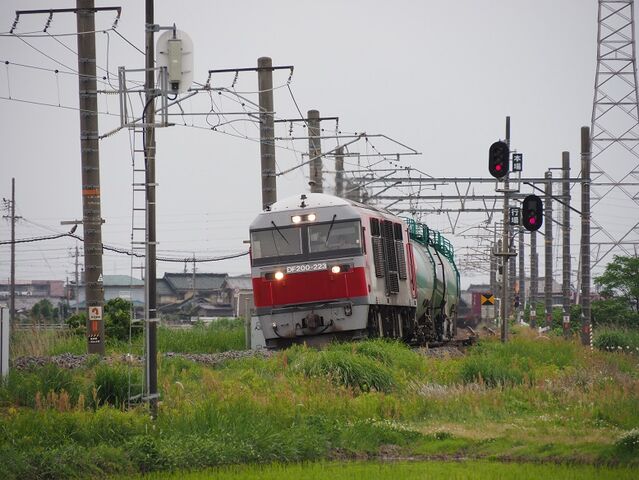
{"type": "Point", "coordinates": [95, 317]}
{"type": "Point", "coordinates": [487, 299]}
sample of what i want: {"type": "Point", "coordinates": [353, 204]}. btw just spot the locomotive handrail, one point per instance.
{"type": "Point", "coordinates": [425, 235]}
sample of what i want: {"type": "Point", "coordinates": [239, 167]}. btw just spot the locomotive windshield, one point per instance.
{"type": "Point", "coordinates": [333, 236]}
{"type": "Point", "coordinates": [276, 242]}
{"type": "Point", "coordinates": [306, 242]}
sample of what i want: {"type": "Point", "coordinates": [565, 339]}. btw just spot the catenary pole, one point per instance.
{"type": "Point", "coordinates": [339, 172]}
{"type": "Point", "coordinates": [586, 320]}
{"type": "Point", "coordinates": [267, 130]}
{"type": "Point", "coordinates": [315, 151]}
{"type": "Point", "coordinates": [148, 115]}
{"type": "Point", "coordinates": [565, 229]}
{"type": "Point", "coordinates": [548, 250]}
{"type": "Point", "coordinates": [90, 156]}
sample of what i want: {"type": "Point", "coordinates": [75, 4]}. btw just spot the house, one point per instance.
{"type": "Point", "coordinates": [202, 285]}
{"type": "Point", "coordinates": [116, 286]}
{"type": "Point", "coordinates": [194, 309]}
{"type": "Point", "coordinates": [30, 292]}
{"type": "Point", "coordinates": [238, 292]}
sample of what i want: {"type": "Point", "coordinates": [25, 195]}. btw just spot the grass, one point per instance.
{"type": "Point", "coordinates": [531, 400]}
{"type": "Point", "coordinates": [475, 470]}
{"type": "Point", "coordinates": [220, 336]}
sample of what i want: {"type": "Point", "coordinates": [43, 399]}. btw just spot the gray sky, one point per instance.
{"type": "Point", "coordinates": [438, 76]}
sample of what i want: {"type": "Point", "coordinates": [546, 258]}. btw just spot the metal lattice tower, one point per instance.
{"type": "Point", "coordinates": [615, 135]}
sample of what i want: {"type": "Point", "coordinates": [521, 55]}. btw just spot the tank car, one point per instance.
{"type": "Point", "coordinates": [326, 268]}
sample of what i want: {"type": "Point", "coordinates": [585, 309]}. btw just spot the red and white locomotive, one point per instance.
{"type": "Point", "coordinates": [326, 268]}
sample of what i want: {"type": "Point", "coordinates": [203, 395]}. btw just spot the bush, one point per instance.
{"type": "Point", "coordinates": [77, 323]}
{"type": "Point", "coordinates": [617, 340]}
{"type": "Point", "coordinates": [24, 388]}
{"type": "Point", "coordinates": [117, 319]}
{"type": "Point", "coordinates": [629, 441]}
{"type": "Point", "coordinates": [112, 383]}
{"type": "Point", "coordinates": [347, 369]}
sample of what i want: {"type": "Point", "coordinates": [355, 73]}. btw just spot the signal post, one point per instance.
{"type": "Point", "coordinates": [531, 220]}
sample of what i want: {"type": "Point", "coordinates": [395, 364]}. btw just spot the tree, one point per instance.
{"type": "Point", "coordinates": [621, 280]}
{"type": "Point", "coordinates": [619, 288]}
{"type": "Point", "coordinates": [117, 319]}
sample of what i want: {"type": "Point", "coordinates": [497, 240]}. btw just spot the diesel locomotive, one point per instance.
{"type": "Point", "coordinates": [325, 268]}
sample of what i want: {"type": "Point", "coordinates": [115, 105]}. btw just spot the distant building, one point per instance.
{"type": "Point", "coordinates": [238, 292]}
{"type": "Point", "coordinates": [30, 292]}
{"type": "Point", "coordinates": [116, 286]}
{"type": "Point", "coordinates": [202, 285]}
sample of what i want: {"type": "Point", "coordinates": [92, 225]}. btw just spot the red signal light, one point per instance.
{"type": "Point", "coordinates": [498, 159]}
{"type": "Point", "coordinates": [532, 213]}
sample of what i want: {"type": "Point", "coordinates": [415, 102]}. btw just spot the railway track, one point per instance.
{"type": "Point", "coordinates": [453, 348]}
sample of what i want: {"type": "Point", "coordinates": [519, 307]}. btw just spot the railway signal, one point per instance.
{"type": "Point", "coordinates": [498, 156]}
{"type": "Point", "coordinates": [532, 209]}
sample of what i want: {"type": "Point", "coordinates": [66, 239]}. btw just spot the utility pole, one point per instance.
{"type": "Point", "coordinates": [92, 216]}
{"type": "Point", "coordinates": [534, 279]}
{"type": "Point", "coordinates": [586, 321]}
{"type": "Point", "coordinates": [77, 281]}
{"type": "Point", "coordinates": [151, 377]}
{"type": "Point", "coordinates": [565, 229]}
{"type": "Point", "coordinates": [193, 282]}
{"type": "Point", "coordinates": [12, 293]}
{"type": "Point", "coordinates": [315, 151]}
{"type": "Point", "coordinates": [548, 249]}
{"type": "Point", "coordinates": [10, 205]}
{"type": "Point", "coordinates": [339, 172]}
{"type": "Point", "coordinates": [267, 130]}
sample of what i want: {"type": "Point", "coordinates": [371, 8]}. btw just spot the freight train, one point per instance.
{"type": "Point", "coordinates": [325, 268]}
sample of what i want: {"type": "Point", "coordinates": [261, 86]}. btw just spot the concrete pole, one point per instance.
{"type": "Point", "coordinates": [548, 249]}
{"type": "Point", "coordinates": [505, 244]}
{"type": "Point", "coordinates": [586, 321]}
{"type": "Point", "coordinates": [522, 274]}
{"type": "Point", "coordinates": [90, 153]}
{"type": "Point", "coordinates": [534, 279]}
{"type": "Point", "coordinates": [12, 288]}
{"type": "Point", "coordinates": [151, 377]}
{"type": "Point", "coordinates": [512, 277]}
{"type": "Point", "coordinates": [339, 172]}
{"type": "Point", "coordinates": [315, 152]}
{"type": "Point", "coordinates": [565, 230]}
{"type": "Point", "coordinates": [267, 130]}
{"type": "Point", "coordinates": [493, 264]}
{"type": "Point", "coordinates": [77, 280]}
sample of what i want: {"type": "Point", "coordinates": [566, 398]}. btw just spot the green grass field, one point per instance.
{"type": "Point", "coordinates": [432, 470]}
{"type": "Point", "coordinates": [541, 400]}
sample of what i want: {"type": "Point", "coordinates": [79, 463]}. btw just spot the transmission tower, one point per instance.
{"type": "Point", "coordinates": [615, 135]}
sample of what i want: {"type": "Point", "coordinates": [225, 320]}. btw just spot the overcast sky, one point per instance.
{"type": "Point", "coordinates": [439, 77]}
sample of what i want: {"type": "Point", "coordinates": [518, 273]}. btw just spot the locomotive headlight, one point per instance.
{"type": "Point", "coordinates": [279, 275]}
{"type": "Point", "coordinates": [296, 219]}
{"type": "Point", "coordinates": [336, 269]}
{"type": "Point", "coordinates": [311, 217]}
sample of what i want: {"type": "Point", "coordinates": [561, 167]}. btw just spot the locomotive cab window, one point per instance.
{"type": "Point", "coordinates": [276, 242]}
{"type": "Point", "coordinates": [335, 236]}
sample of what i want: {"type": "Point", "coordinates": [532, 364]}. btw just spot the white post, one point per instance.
{"type": "Point", "coordinates": [4, 343]}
